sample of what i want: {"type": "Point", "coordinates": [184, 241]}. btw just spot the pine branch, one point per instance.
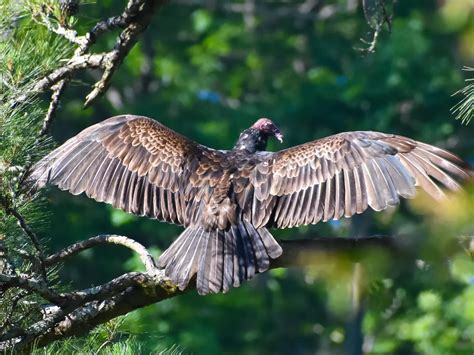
{"type": "Point", "coordinates": [26, 229]}
{"type": "Point", "coordinates": [135, 18]}
{"type": "Point", "coordinates": [464, 109]}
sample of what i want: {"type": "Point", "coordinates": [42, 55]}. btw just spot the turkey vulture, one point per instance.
{"type": "Point", "coordinates": [227, 200]}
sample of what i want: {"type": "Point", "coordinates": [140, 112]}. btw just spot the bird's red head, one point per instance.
{"type": "Point", "coordinates": [267, 127]}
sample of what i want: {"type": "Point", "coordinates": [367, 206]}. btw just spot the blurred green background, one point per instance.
{"type": "Point", "coordinates": [208, 69]}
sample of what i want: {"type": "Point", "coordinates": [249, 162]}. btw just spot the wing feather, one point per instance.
{"type": "Point", "coordinates": [349, 194]}
{"type": "Point", "coordinates": [328, 201]}
{"type": "Point", "coordinates": [361, 191]}
{"type": "Point", "coordinates": [338, 198]}
{"type": "Point", "coordinates": [95, 175]}
{"type": "Point", "coordinates": [102, 183]}
{"type": "Point", "coordinates": [317, 209]}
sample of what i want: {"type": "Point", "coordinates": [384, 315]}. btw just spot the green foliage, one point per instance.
{"type": "Point", "coordinates": [109, 339]}
{"type": "Point", "coordinates": [439, 323]}
{"type": "Point", "coordinates": [28, 55]}
{"type": "Point", "coordinates": [105, 339]}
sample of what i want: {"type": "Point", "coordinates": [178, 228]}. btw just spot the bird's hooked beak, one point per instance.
{"type": "Point", "coordinates": [278, 135]}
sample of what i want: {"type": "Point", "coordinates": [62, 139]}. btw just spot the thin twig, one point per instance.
{"type": "Point", "coordinates": [138, 15]}
{"type": "Point", "coordinates": [26, 229]}
{"type": "Point", "coordinates": [23, 225]}
{"type": "Point", "coordinates": [28, 284]}
{"type": "Point", "coordinates": [67, 33]}
{"type": "Point", "coordinates": [29, 232]}
{"type": "Point", "coordinates": [373, 43]}
{"type": "Point", "coordinates": [53, 106]}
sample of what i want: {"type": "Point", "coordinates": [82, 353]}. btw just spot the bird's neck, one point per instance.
{"type": "Point", "coordinates": [251, 140]}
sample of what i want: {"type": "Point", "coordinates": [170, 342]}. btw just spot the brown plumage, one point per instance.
{"type": "Point", "coordinates": [228, 199]}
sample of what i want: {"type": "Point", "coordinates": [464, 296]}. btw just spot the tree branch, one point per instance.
{"type": "Point", "coordinates": [71, 250]}
{"type": "Point", "coordinates": [58, 90]}
{"type": "Point", "coordinates": [29, 233]}
{"type": "Point", "coordinates": [89, 61]}
{"type": "Point", "coordinates": [134, 19]}
{"type": "Point", "coordinates": [138, 15]}
{"type": "Point", "coordinates": [80, 311]}
{"type": "Point", "coordinates": [28, 284]}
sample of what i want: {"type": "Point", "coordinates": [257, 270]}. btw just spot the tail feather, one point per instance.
{"type": "Point", "coordinates": [221, 258]}
{"type": "Point", "coordinates": [240, 258]}
{"type": "Point", "coordinates": [249, 253]}
{"type": "Point", "coordinates": [273, 249]}
{"type": "Point", "coordinates": [188, 263]}
{"type": "Point", "coordinates": [229, 251]}
{"type": "Point", "coordinates": [262, 257]}
{"type": "Point", "coordinates": [217, 261]}
{"type": "Point", "coordinates": [203, 283]}
{"type": "Point", "coordinates": [181, 260]}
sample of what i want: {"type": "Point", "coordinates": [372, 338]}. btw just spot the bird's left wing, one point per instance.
{"type": "Point", "coordinates": [135, 164]}
{"type": "Point", "coordinates": [342, 175]}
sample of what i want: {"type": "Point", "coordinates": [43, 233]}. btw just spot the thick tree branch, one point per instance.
{"type": "Point", "coordinates": [80, 311]}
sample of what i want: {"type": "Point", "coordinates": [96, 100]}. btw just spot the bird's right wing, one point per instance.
{"type": "Point", "coordinates": [135, 164]}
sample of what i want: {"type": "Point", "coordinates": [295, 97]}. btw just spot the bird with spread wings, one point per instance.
{"type": "Point", "coordinates": [227, 200]}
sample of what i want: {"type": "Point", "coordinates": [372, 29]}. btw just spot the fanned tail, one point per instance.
{"type": "Point", "coordinates": [220, 258]}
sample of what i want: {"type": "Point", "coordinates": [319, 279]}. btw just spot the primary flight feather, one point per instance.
{"type": "Point", "coordinates": [227, 200]}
